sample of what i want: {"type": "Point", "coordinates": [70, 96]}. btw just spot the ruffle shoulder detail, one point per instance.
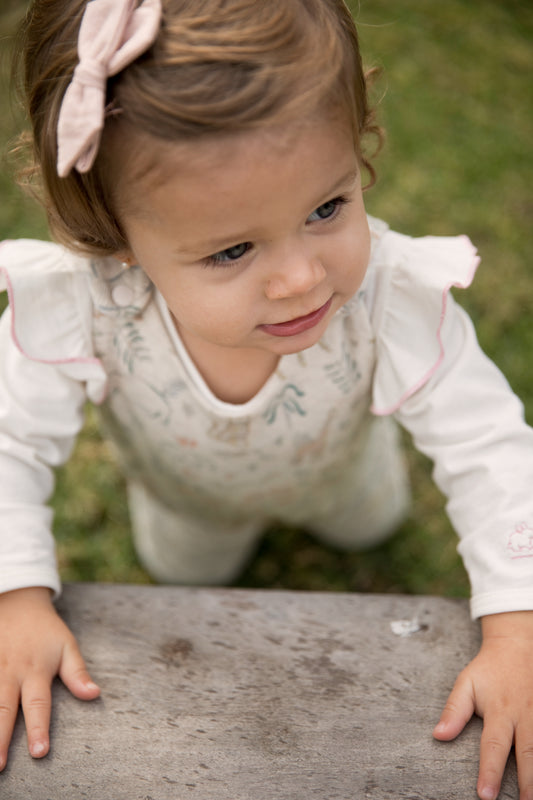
{"type": "Point", "coordinates": [413, 278]}
{"type": "Point", "coordinates": [50, 303]}
{"type": "Point", "coordinates": [45, 285]}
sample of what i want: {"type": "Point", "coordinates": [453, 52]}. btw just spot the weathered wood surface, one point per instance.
{"type": "Point", "coordinates": [255, 695]}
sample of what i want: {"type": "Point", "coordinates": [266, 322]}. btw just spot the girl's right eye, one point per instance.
{"type": "Point", "coordinates": [229, 256]}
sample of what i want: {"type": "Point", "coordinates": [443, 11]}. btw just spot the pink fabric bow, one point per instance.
{"type": "Point", "coordinates": [113, 33]}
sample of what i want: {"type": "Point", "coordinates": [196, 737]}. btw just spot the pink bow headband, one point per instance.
{"type": "Point", "coordinates": [113, 33]}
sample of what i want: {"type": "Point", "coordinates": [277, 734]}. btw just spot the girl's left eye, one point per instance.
{"type": "Point", "coordinates": [327, 210]}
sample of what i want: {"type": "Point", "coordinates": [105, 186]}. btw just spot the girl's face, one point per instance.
{"type": "Point", "coordinates": [255, 240]}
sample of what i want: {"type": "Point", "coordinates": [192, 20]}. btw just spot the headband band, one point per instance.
{"type": "Point", "coordinates": [113, 33]}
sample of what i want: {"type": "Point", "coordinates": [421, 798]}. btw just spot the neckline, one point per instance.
{"type": "Point", "coordinates": [197, 380]}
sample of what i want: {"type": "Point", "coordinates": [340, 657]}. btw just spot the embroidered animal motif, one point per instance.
{"type": "Point", "coordinates": [520, 541]}
{"type": "Point", "coordinates": [234, 432]}
{"type": "Point", "coordinates": [310, 448]}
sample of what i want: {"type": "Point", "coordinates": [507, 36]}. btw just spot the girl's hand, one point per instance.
{"type": "Point", "coordinates": [498, 686]}
{"type": "Point", "coordinates": [35, 646]}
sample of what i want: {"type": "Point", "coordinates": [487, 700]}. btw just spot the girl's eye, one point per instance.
{"type": "Point", "coordinates": [230, 255]}
{"type": "Point", "coordinates": [327, 210]}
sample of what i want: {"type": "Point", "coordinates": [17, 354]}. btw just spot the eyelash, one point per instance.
{"type": "Point", "coordinates": [340, 202]}
{"type": "Point", "coordinates": [217, 260]}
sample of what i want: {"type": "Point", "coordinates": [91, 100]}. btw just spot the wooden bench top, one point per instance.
{"type": "Point", "coordinates": [230, 694]}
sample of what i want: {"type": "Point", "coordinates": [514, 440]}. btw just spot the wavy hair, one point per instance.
{"type": "Point", "coordinates": [216, 67]}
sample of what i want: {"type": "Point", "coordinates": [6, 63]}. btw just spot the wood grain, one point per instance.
{"type": "Point", "coordinates": [233, 694]}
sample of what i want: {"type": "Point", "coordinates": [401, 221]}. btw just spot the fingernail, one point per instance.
{"type": "Point", "coordinates": [488, 793]}
{"type": "Point", "coordinates": [91, 686]}
{"type": "Point", "coordinates": [440, 728]}
{"type": "Point", "coordinates": [38, 749]}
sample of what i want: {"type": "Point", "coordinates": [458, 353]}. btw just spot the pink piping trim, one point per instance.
{"type": "Point", "coordinates": [11, 297]}
{"type": "Point", "coordinates": [475, 263]}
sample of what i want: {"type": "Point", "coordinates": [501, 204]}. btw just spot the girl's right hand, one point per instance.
{"type": "Point", "coordinates": [35, 646]}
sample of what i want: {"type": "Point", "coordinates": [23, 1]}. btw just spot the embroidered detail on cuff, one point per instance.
{"type": "Point", "coordinates": [520, 541]}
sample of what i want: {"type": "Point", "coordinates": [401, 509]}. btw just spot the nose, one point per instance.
{"type": "Point", "coordinates": [294, 273]}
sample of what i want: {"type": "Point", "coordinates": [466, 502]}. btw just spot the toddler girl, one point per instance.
{"type": "Point", "coordinates": [249, 334]}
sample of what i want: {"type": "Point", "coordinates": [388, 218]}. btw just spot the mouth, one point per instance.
{"type": "Point", "coordinates": [299, 325]}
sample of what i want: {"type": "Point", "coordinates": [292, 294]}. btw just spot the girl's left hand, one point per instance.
{"type": "Point", "coordinates": [498, 686]}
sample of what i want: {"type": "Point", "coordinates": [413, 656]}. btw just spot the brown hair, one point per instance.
{"type": "Point", "coordinates": [217, 66]}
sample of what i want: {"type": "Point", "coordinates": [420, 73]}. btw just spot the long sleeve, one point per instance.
{"type": "Point", "coordinates": [40, 415]}
{"type": "Point", "coordinates": [46, 373]}
{"type": "Point", "coordinates": [471, 425]}
{"type": "Point", "coordinates": [461, 412]}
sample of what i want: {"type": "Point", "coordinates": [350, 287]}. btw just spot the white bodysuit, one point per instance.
{"type": "Point", "coordinates": [81, 329]}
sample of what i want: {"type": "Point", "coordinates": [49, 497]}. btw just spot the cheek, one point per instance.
{"type": "Point", "coordinates": [352, 254]}
{"type": "Point", "coordinates": [359, 247]}
{"type": "Point", "coordinates": [218, 310]}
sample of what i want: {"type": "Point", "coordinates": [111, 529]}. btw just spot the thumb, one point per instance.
{"type": "Point", "coordinates": [458, 710]}
{"type": "Point", "coordinates": [73, 673]}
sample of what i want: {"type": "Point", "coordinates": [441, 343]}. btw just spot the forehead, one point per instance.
{"type": "Point", "coordinates": [250, 189]}
{"type": "Point", "coordinates": [217, 161]}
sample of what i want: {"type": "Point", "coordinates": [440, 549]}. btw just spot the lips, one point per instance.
{"type": "Point", "coordinates": [300, 324]}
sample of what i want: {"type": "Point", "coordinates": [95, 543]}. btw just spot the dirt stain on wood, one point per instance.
{"type": "Point", "coordinates": [174, 652]}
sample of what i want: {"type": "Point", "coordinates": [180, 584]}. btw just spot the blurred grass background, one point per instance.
{"type": "Point", "coordinates": [455, 96]}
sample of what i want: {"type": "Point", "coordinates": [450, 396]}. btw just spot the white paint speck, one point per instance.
{"type": "Point", "coordinates": [405, 627]}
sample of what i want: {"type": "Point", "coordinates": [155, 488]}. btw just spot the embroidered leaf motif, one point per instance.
{"type": "Point", "coordinates": [344, 372]}
{"type": "Point", "coordinates": [286, 401]}
{"type": "Point", "coordinates": [130, 346]}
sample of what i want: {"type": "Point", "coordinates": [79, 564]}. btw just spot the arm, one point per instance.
{"type": "Point", "coordinates": [470, 424]}
{"type": "Point", "coordinates": [35, 646]}
{"type": "Point", "coordinates": [41, 411]}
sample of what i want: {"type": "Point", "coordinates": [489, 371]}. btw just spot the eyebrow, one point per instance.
{"type": "Point", "coordinates": [221, 243]}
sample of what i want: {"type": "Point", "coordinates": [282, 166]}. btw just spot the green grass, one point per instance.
{"type": "Point", "coordinates": [456, 99]}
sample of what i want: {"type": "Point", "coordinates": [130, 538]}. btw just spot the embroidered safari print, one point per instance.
{"type": "Point", "coordinates": [308, 447]}
{"type": "Point", "coordinates": [520, 541]}
{"type": "Point", "coordinates": [234, 432]}
{"type": "Point", "coordinates": [200, 458]}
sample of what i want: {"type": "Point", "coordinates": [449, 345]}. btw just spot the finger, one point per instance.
{"type": "Point", "coordinates": [524, 758]}
{"type": "Point", "coordinates": [9, 706]}
{"type": "Point", "coordinates": [36, 702]}
{"type": "Point", "coordinates": [496, 742]}
{"type": "Point", "coordinates": [457, 711]}
{"type": "Point", "coordinates": [73, 672]}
